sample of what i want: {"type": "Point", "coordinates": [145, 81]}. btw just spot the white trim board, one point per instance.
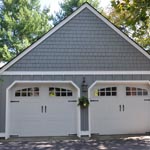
{"type": "Point", "coordinates": [7, 116]}
{"type": "Point", "coordinates": [86, 5]}
{"type": "Point", "coordinates": [120, 82]}
{"type": "Point", "coordinates": [76, 73]}
{"type": "Point", "coordinates": [85, 133]}
{"type": "Point", "coordinates": [2, 134]}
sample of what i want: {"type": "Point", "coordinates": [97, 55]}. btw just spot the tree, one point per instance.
{"type": "Point", "coordinates": [21, 23]}
{"type": "Point", "coordinates": [69, 6]}
{"type": "Point", "coordinates": [133, 18]}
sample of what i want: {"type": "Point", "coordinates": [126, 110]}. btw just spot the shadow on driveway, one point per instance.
{"type": "Point", "coordinates": [93, 144]}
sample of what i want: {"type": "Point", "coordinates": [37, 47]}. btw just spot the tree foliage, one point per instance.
{"type": "Point", "coordinates": [69, 6]}
{"type": "Point", "coordinates": [21, 23]}
{"type": "Point", "coordinates": [133, 17]}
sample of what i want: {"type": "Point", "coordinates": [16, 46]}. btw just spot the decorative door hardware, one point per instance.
{"type": "Point", "coordinates": [94, 100]}
{"type": "Point", "coordinates": [14, 101]}
{"type": "Point", "coordinates": [148, 100]}
{"type": "Point", "coordinates": [122, 108]}
{"type": "Point", "coordinates": [72, 100]}
{"type": "Point", "coordinates": [43, 109]}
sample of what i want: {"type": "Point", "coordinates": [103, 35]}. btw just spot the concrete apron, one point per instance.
{"type": "Point", "coordinates": [72, 138]}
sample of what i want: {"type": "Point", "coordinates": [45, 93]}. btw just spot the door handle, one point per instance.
{"type": "Point", "coordinates": [119, 107]}
{"type": "Point", "coordinates": [123, 107]}
{"type": "Point", "coordinates": [147, 100]}
{"type": "Point", "coordinates": [41, 109]}
{"type": "Point", "coordinates": [45, 109]}
{"type": "Point", "coordinates": [94, 100]}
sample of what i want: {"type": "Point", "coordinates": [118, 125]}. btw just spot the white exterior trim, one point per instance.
{"type": "Point", "coordinates": [121, 81]}
{"type": "Point", "coordinates": [67, 20]}
{"type": "Point", "coordinates": [85, 133]}
{"type": "Point", "coordinates": [111, 81]}
{"type": "Point", "coordinates": [75, 72]}
{"type": "Point", "coordinates": [2, 135]}
{"type": "Point", "coordinates": [7, 116]}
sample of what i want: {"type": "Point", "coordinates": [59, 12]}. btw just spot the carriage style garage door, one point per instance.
{"type": "Point", "coordinates": [43, 110]}
{"type": "Point", "coordinates": [119, 108]}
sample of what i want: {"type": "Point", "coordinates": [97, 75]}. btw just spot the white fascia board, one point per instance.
{"type": "Point", "coordinates": [76, 73]}
{"type": "Point", "coordinates": [63, 23]}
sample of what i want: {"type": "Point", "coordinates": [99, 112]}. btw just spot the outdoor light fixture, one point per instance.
{"type": "Point", "coordinates": [84, 85]}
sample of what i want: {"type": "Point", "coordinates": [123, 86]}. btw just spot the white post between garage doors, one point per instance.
{"type": "Point", "coordinates": [7, 114]}
{"type": "Point", "coordinates": [118, 82]}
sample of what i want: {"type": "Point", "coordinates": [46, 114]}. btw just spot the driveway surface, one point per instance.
{"type": "Point", "coordinates": [139, 143]}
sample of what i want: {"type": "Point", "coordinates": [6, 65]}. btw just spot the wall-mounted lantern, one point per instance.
{"type": "Point", "coordinates": [84, 85]}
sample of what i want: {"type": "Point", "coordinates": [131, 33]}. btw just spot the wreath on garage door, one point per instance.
{"type": "Point", "coordinates": [83, 102]}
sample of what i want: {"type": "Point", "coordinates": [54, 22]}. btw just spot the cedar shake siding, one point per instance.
{"type": "Point", "coordinates": [85, 43]}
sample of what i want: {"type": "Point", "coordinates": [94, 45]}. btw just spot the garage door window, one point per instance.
{"type": "Point", "coordinates": [109, 91]}
{"type": "Point", "coordinates": [27, 92]}
{"type": "Point", "coordinates": [133, 91]}
{"type": "Point", "coordinates": [55, 91]}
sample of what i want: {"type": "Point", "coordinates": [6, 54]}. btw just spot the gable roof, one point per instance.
{"type": "Point", "coordinates": [53, 30]}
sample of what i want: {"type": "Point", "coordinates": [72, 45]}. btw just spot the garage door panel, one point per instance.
{"type": "Point", "coordinates": [45, 114]}
{"type": "Point", "coordinates": [137, 115]}
{"type": "Point", "coordinates": [107, 127]}
{"type": "Point", "coordinates": [24, 117]}
{"type": "Point", "coordinates": [26, 111]}
{"type": "Point", "coordinates": [60, 118]}
{"type": "Point", "coordinates": [61, 127]}
{"type": "Point", "coordinates": [104, 117]}
{"type": "Point", "coordinates": [120, 114]}
{"type": "Point", "coordinates": [29, 109]}
{"type": "Point", "coordinates": [31, 128]}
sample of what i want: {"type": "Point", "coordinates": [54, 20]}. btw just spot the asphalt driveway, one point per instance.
{"type": "Point", "coordinates": [136, 143]}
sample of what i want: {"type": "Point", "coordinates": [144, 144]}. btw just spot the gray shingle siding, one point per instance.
{"type": "Point", "coordinates": [85, 43]}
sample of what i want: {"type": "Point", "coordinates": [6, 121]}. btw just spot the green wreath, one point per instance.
{"type": "Point", "coordinates": [83, 102]}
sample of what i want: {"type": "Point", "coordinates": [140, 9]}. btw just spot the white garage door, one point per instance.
{"type": "Point", "coordinates": [119, 109]}
{"type": "Point", "coordinates": [43, 110]}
